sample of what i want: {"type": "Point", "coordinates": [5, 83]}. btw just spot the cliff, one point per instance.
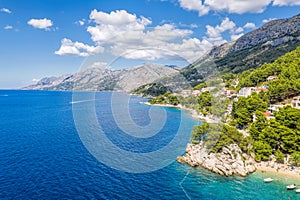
{"type": "Point", "coordinates": [228, 162]}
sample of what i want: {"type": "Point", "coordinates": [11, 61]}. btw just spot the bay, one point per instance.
{"type": "Point", "coordinates": [42, 155]}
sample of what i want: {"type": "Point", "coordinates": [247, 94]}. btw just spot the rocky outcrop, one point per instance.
{"type": "Point", "coordinates": [97, 79]}
{"type": "Point", "coordinates": [231, 160]}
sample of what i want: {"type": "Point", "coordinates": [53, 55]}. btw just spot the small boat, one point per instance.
{"type": "Point", "coordinates": [298, 191]}
{"type": "Point", "coordinates": [268, 180]}
{"type": "Point", "coordinates": [291, 187]}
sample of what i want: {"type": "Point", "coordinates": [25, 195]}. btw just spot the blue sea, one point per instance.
{"type": "Point", "coordinates": [57, 145]}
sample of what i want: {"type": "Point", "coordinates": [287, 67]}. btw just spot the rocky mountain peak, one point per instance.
{"type": "Point", "coordinates": [276, 30]}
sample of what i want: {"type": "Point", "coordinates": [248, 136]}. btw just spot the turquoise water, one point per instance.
{"type": "Point", "coordinates": [42, 155]}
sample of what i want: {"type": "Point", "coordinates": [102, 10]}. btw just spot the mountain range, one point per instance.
{"type": "Point", "coordinates": [98, 79]}
{"type": "Point", "coordinates": [263, 45]}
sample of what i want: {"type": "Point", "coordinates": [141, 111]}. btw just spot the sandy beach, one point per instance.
{"type": "Point", "coordinates": [281, 170]}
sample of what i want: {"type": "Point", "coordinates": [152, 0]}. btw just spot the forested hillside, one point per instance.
{"type": "Point", "coordinates": [287, 85]}
{"type": "Point", "coordinates": [279, 135]}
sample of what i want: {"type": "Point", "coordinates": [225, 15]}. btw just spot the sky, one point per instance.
{"type": "Point", "coordinates": [42, 38]}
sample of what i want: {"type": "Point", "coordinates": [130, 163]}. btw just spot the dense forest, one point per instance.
{"type": "Point", "coordinates": [278, 136]}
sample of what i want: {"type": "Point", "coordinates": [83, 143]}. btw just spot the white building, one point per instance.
{"type": "Point", "coordinates": [186, 93]}
{"type": "Point", "coordinates": [245, 91]}
{"type": "Point", "coordinates": [230, 93]}
{"type": "Point", "coordinates": [270, 78]}
{"type": "Point", "coordinates": [296, 102]}
{"type": "Point", "coordinates": [274, 108]}
{"type": "Point", "coordinates": [196, 92]}
{"type": "Point", "coordinates": [207, 89]}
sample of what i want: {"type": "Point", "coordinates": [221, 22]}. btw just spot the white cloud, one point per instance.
{"type": "Point", "coordinates": [167, 32]}
{"type": "Point", "coordinates": [268, 20]}
{"type": "Point", "coordinates": [231, 6]}
{"type": "Point", "coordinates": [191, 26]}
{"type": "Point", "coordinates": [226, 24]}
{"type": "Point", "coordinates": [189, 49]}
{"type": "Point", "coordinates": [132, 29]}
{"type": "Point", "coordinates": [127, 35]}
{"type": "Point", "coordinates": [239, 30]}
{"type": "Point", "coordinates": [249, 25]}
{"type": "Point", "coordinates": [80, 22]}
{"type": "Point", "coordinates": [100, 65]}
{"type": "Point", "coordinates": [77, 48]}
{"type": "Point", "coordinates": [194, 5]}
{"type": "Point", "coordinates": [286, 2]}
{"type": "Point", "coordinates": [114, 24]}
{"type": "Point", "coordinates": [214, 34]}
{"type": "Point", "coordinates": [6, 10]}
{"type": "Point", "coordinates": [8, 27]}
{"type": "Point", "coordinates": [119, 18]}
{"type": "Point", "coordinates": [41, 23]}
{"type": "Point", "coordinates": [238, 6]}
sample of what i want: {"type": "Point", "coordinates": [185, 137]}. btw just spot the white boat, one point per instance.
{"type": "Point", "coordinates": [291, 187]}
{"type": "Point", "coordinates": [268, 180]}
{"type": "Point", "coordinates": [298, 191]}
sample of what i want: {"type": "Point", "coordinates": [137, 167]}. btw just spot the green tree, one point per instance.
{"type": "Point", "coordinates": [243, 117]}
{"type": "Point", "coordinates": [200, 86]}
{"type": "Point", "coordinates": [289, 117]}
{"type": "Point", "coordinates": [295, 158]}
{"type": "Point", "coordinates": [199, 132]}
{"type": "Point", "coordinates": [257, 127]}
{"type": "Point", "coordinates": [220, 135]}
{"type": "Point", "coordinates": [289, 138]}
{"type": "Point", "coordinates": [262, 150]}
{"type": "Point", "coordinates": [279, 156]}
{"type": "Point", "coordinates": [255, 103]}
{"type": "Point", "coordinates": [271, 134]}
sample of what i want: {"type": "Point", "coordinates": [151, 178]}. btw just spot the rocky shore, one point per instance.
{"type": "Point", "coordinates": [230, 161]}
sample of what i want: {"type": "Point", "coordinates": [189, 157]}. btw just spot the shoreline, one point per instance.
{"type": "Point", "coordinates": [162, 105]}
{"type": "Point", "coordinates": [282, 172]}
{"type": "Point", "coordinates": [263, 167]}
{"type": "Point", "coordinates": [191, 111]}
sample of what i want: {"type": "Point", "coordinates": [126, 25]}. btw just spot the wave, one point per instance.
{"type": "Point", "coordinates": [83, 101]}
